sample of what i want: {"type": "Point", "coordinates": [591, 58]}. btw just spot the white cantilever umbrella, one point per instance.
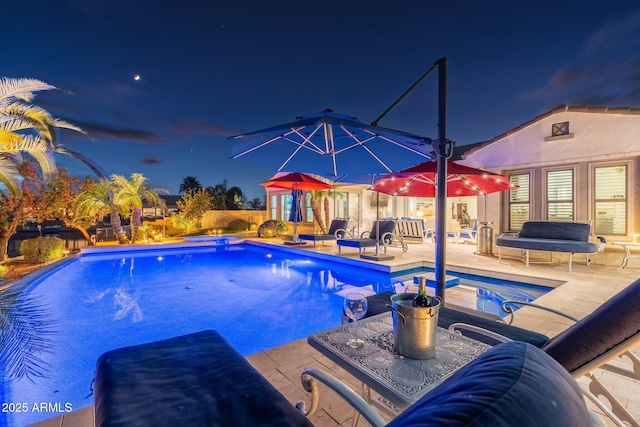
{"type": "Point", "coordinates": [327, 143]}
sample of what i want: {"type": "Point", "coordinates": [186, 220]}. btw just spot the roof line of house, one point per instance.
{"type": "Point", "coordinates": [559, 109]}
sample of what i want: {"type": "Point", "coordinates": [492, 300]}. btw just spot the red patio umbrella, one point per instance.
{"type": "Point", "coordinates": [420, 180]}
{"type": "Point", "coordinates": [297, 182]}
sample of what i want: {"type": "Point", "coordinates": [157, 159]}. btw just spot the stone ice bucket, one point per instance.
{"type": "Point", "coordinates": [414, 328]}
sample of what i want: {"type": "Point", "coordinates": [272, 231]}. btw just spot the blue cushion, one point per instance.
{"type": "Point", "coordinates": [556, 230]}
{"type": "Point", "coordinates": [356, 243]}
{"type": "Point", "coordinates": [317, 237]}
{"type": "Point", "coordinates": [606, 328]}
{"type": "Point", "coordinates": [551, 245]}
{"type": "Point", "coordinates": [191, 380]}
{"type": "Point", "coordinates": [512, 384]}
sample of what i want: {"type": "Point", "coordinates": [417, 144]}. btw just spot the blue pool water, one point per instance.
{"type": "Point", "coordinates": [257, 297]}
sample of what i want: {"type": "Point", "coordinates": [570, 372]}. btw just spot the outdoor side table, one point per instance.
{"type": "Point", "coordinates": [399, 379]}
{"type": "Point", "coordinates": [627, 253]}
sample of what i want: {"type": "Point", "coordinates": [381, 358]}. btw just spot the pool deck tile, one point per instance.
{"type": "Point", "coordinates": [581, 291]}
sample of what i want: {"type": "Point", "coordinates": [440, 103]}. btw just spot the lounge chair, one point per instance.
{"type": "Point", "coordinates": [337, 230]}
{"type": "Point", "coordinates": [602, 336]}
{"type": "Point", "coordinates": [370, 238]}
{"type": "Point", "coordinates": [512, 384]}
{"type": "Point", "coordinates": [607, 333]}
{"type": "Point", "coordinates": [197, 379]}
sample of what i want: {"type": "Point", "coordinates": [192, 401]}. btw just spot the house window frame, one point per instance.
{"type": "Point", "coordinates": [545, 189]}
{"type": "Point", "coordinates": [629, 206]}
{"type": "Point", "coordinates": [509, 203]}
{"type": "Point", "coordinates": [273, 205]}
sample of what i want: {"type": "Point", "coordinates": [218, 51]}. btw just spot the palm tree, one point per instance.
{"type": "Point", "coordinates": [328, 193]}
{"type": "Point", "coordinates": [189, 183]}
{"type": "Point", "coordinates": [29, 129]}
{"type": "Point", "coordinates": [220, 195]}
{"type": "Point", "coordinates": [255, 203]}
{"type": "Point", "coordinates": [316, 197]}
{"type": "Point", "coordinates": [130, 195]}
{"type": "Point", "coordinates": [234, 198]}
{"type": "Point", "coordinates": [98, 201]}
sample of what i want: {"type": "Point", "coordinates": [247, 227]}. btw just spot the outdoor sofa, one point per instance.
{"type": "Point", "coordinates": [200, 380]}
{"type": "Point", "coordinates": [552, 236]}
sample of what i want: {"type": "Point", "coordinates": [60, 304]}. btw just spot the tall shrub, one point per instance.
{"type": "Point", "coordinates": [42, 249]}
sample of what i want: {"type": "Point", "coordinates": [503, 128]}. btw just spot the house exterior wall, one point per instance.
{"type": "Point", "coordinates": [597, 137]}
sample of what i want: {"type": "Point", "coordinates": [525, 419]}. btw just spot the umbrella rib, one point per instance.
{"type": "Point", "coordinates": [383, 164]}
{"type": "Point", "coordinates": [413, 150]}
{"type": "Point", "coordinates": [289, 158]}
{"type": "Point", "coordinates": [308, 139]}
{"type": "Point", "coordinates": [358, 143]}
{"type": "Point", "coordinates": [385, 138]}
{"type": "Point", "coordinates": [247, 151]}
{"type": "Point", "coordinates": [314, 148]}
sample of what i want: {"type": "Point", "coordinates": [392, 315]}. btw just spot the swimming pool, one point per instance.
{"type": "Point", "coordinates": [257, 297]}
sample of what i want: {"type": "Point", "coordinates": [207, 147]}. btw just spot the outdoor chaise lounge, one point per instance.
{"type": "Point", "coordinates": [607, 333]}
{"type": "Point", "coordinates": [200, 380]}
{"type": "Point", "coordinates": [337, 230]}
{"type": "Point", "coordinates": [368, 239]}
{"type": "Point", "coordinates": [190, 380]}
{"type": "Point", "coordinates": [513, 384]}
{"type": "Point", "coordinates": [552, 236]}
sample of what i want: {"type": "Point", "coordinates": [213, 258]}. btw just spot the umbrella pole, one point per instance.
{"type": "Point", "coordinates": [377, 222]}
{"type": "Point", "coordinates": [441, 194]}
{"type": "Point", "coordinates": [298, 211]}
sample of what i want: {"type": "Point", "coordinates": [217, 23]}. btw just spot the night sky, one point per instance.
{"type": "Point", "coordinates": [212, 69]}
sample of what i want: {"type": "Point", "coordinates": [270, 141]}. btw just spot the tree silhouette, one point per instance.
{"type": "Point", "coordinates": [189, 183]}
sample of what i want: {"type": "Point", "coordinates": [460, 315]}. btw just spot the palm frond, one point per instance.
{"type": "Point", "coordinates": [97, 200]}
{"type": "Point", "coordinates": [26, 325]}
{"type": "Point", "coordinates": [9, 174]}
{"type": "Point", "coordinates": [15, 124]}
{"type": "Point", "coordinates": [8, 139]}
{"type": "Point", "coordinates": [38, 149]}
{"type": "Point", "coordinates": [39, 118]}
{"type": "Point", "coordinates": [95, 167]}
{"type": "Point", "coordinates": [21, 88]}
{"type": "Point", "coordinates": [61, 124]}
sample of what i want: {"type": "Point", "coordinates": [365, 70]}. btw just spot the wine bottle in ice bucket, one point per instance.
{"type": "Point", "coordinates": [422, 300]}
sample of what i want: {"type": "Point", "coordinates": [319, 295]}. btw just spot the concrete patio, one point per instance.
{"type": "Point", "coordinates": [577, 293]}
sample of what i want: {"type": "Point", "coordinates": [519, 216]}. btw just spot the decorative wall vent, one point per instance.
{"type": "Point", "coordinates": [558, 129]}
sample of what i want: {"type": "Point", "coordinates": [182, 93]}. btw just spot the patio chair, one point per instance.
{"type": "Point", "coordinates": [592, 342]}
{"type": "Point", "coordinates": [337, 230]}
{"type": "Point", "coordinates": [511, 384]}
{"type": "Point", "coordinates": [469, 234]}
{"type": "Point", "coordinates": [370, 238]}
{"type": "Point", "coordinates": [607, 333]}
